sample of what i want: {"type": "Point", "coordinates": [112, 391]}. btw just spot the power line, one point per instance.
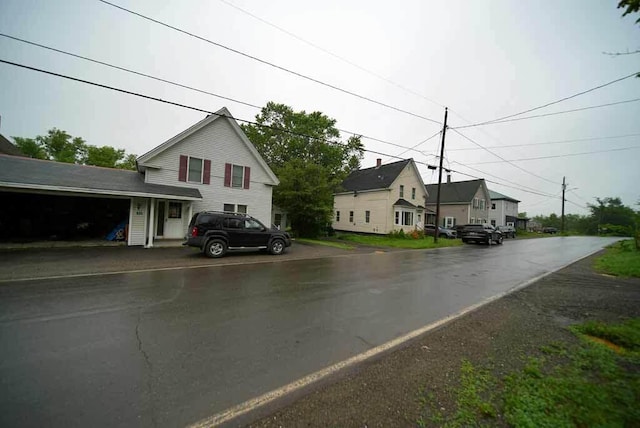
{"type": "Point", "coordinates": [418, 144]}
{"type": "Point", "coordinates": [191, 88]}
{"type": "Point", "coordinates": [554, 102]}
{"type": "Point", "coordinates": [500, 157]}
{"type": "Point", "coordinates": [230, 117]}
{"type": "Point", "coordinates": [328, 52]}
{"type": "Point", "coordinates": [554, 113]}
{"type": "Point", "coordinates": [295, 73]}
{"type": "Point", "coordinates": [531, 190]}
{"type": "Point", "coordinates": [547, 142]}
{"type": "Point", "coordinates": [559, 156]}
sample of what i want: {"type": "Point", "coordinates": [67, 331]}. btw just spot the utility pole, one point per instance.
{"type": "Point", "coordinates": [444, 131]}
{"type": "Point", "coordinates": [564, 186]}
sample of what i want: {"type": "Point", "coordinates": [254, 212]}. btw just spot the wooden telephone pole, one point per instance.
{"type": "Point", "coordinates": [444, 132]}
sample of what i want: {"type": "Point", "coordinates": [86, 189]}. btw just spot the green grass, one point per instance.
{"type": "Point", "coordinates": [325, 243]}
{"type": "Point", "coordinates": [385, 241]}
{"type": "Point", "coordinates": [587, 384]}
{"type": "Point", "coordinates": [620, 259]}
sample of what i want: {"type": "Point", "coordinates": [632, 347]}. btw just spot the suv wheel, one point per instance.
{"type": "Point", "coordinates": [276, 247]}
{"type": "Point", "coordinates": [215, 248]}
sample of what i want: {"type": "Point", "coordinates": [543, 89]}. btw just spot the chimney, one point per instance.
{"type": "Point", "coordinates": [378, 162]}
{"type": "Point", "coordinates": [448, 178]}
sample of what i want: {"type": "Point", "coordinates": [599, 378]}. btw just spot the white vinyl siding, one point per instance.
{"type": "Point", "coordinates": [137, 221]}
{"type": "Point", "coordinates": [218, 142]}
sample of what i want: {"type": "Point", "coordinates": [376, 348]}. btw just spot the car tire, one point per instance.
{"type": "Point", "coordinates": [276, 247]}
{"type": "Point", "coordinates": [215, 248]}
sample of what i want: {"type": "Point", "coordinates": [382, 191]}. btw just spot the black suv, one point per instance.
{"type": "Point", "coordinates": [215, 232]}
{"type": "Point", "coordinates": [481, 233]}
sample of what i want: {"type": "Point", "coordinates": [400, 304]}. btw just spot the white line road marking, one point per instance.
{"type": "Point", "coordinates": [249, 405]}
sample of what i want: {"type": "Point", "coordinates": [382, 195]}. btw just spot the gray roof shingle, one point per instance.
{"type": "Point", "coordinates": [33, 173]}
{"type": "Point", "coordinates": [498, 196]}
{"type": "Point", "coordinates": [374, 178]}
{"type": "Point", "coordinates": [455, 192]}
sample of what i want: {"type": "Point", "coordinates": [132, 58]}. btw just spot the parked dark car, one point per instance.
{"type": "Point", "coordinates": [481, 234]}
{"type": "Point", "coordinates": [507, 231]}
{"type": "Point", "coordinates": [551, 230]}
{"type": "Point", "coordinates": [215, 232]}
{"type": "Point", "coordinates": [430, 229]}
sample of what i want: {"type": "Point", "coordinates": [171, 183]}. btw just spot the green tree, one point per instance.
{"type": "Point", "coordinates": [610, 215]}
{"type": "Point", "coordinates": [30, 148]}
{"type": "Point", "coordinates": [105, 156]}
{"type": "Point", "coordinates": [630, 6]}
{"type": "Point", "coordinates": [306, 153]}
{"type": "Point", "coordinates": [59, 146]}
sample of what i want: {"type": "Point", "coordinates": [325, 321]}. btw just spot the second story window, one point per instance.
{"type": "Point", "coordinates": [350, 216]}
{"type": "Point", "coordinates": [401, 191]}
{"type": "Point", "coordinates": [337, 216]}
{"type": "Point", "coordinates": [195, 170]}
{"type": "Point", "coordinates": [237, 176]}
{"type": "Point", "coordinates": [413, 193]}
{"type": "Point", "coordinates": [367, 216]}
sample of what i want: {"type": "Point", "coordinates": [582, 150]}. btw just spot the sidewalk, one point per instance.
{"type": "Point", "coordinates": [387, 392]}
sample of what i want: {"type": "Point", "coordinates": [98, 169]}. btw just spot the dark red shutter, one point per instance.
{"type": "Point", "coordinates": [206, 175]}
{"type": "Point", "coordinates": [182, 174]}
{"type": "Point", "coordinates": [227, 175]}
{"type": "Point", "coordinates": [247, 177]}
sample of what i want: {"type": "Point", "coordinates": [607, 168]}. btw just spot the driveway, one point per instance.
{"type": "Point", "coordinates": [33, 263]}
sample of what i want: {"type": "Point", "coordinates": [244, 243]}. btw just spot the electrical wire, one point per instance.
{"type": "Point", "coordinates": [500, 157]}
{"type": "Point", "coordinates": [328, 52]}
{"type": "Point", "coordinates": [553, 114]}
{"type": "Point", "coordinates": [558, 156]}
{"type": "Point", "coordinates": [191, 88]}
{"type": "Point", "coordinates": [234, 118]}
{"type": "Point", "coordinates": [555, 102]}
{"type": "Point", "coordinates": [546, 143]}
{"type": "Point", "coordinates": [270, 64]}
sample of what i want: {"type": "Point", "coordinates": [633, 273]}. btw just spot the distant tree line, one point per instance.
{"type": "Point", "coordinates": [59, 146]}
{"type": "Point", "coordinates": [608, 216]}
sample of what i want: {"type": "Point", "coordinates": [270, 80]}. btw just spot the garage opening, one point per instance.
{"type": "Point", "coordinates": [27, 217]}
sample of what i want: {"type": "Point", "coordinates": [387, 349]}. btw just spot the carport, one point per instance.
{"type": "Point", "coordinates": [46, 200]}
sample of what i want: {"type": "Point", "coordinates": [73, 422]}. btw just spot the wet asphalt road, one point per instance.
{"type": "Point", "coordinates": [168, 348]}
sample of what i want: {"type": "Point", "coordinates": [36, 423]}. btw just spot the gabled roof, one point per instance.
{"type": "Point", "coordinates": [8, 148]}
{"type": "Point", "coordinates": [26, 173]}
{"type": "Point", "coordinates": [403, 203]}
{"type": "Point", "coordinates": [461, 192]}
{"type": "Point", "coordinates": [374, 178]}
{"type": "Point", "coordinates": [222, 114]}
{"type": "Point", "coordinates": [495, 196]}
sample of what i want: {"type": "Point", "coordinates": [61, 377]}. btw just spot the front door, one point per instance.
{"type": "Point", "coordinates": [174, 226]}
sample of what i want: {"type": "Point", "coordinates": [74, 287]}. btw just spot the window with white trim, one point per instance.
{"type": "Point", "coordinates": [413, 193]}
{"type": "Point", "coordinates": [402, 191]}
{"type": "Point", "coordinates": [233, 208]}
{"type": "Point", "coordinates": [482, 204]}
{"type": "Point", "coordinates": [473, 220]}
{"type": "Point", "coordinates": [449, 222]}
{"type": "Point", "coordinates": [194, 169]}
{"type": "Point", "coordinates": [367, 216]}
{"type": "Point", "coordinates": [350, 216]}
{"type": "Point", "coordinates": [476, 202]}
{"type": "Point", "coordinates": [237, 177]}
{"type": "Point", "coordinates": [404, 218]}
{"type": "Point", "coordinates": [337, 216]}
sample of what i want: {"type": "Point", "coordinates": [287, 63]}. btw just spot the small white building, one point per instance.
{"type": "Point", "coordinates": [381, 199]}
{"type": "Point", "coordinates": [504, 210]}
{"type": "Point", "coordinates": [209, 166]}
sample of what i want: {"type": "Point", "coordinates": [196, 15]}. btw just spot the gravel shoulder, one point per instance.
{"type": "Point", "coordinates": [385, 392]}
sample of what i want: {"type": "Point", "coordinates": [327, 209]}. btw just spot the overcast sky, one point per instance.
{"type": "Point", "coordinates": [482, 59]}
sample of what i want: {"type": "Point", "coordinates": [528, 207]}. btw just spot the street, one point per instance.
{"type": "Point", "coordinates": [171, 347]}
